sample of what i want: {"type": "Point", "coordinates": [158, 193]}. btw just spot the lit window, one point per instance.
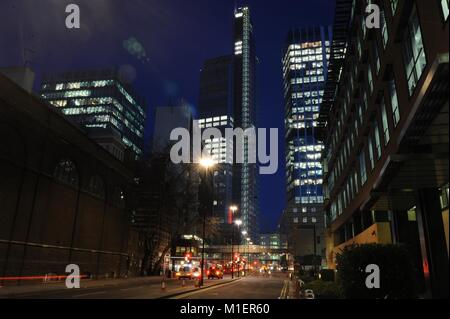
{"type": "Point", "coordinates": [413, 52]}
{"type": "Point", "coordinates": [385, 123]}
{"type": "Point", "coordinates": [384, 29]}
{"type": "Point", "coordinates": [362, 167]}
{"type": "Point", "coordinates": [370, 79]}
{"type": "Point", "coordinates": [445, 8]}
{"type": "Point", "coordinates": [371, 155]}
{"type": "Point", "coordinates": [377, 139]}
{"type": "Point", "coordinates": [394, 4]}
{"type": "Point", "coordinates": [394, 102]}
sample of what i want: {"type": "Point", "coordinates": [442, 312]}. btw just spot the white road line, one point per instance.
{"type": "Point", "coordinates": [206, 289]}
{"type": "Point", "coordinates": [90, 294]}
{"type": "Point", "coordinates": [132, 288]}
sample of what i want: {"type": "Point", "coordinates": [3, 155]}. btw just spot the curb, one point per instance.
{"type": "Point", "coordinates": [198, 289]}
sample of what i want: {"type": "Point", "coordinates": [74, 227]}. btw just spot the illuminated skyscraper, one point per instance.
{"type": "Point", "coordinates": [245, 188]}
{"type": "Point", "coordinates": [304, 71]}
{"type": "Point", "coordinates": [100, 101]}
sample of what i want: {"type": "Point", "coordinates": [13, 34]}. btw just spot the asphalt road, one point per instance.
{"type": "Point", "coordinates": [252, 287]}
{"type": "Point", "coordinates": [149, 289]}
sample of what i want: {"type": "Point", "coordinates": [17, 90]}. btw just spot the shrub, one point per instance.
{"type": "Point", "coordinates": [324, 289]}
{"type": "Point", "coordinates": [397, 280]}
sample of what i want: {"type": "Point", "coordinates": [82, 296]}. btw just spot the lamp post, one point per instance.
{"type": "Point", "coordinates": [205, 163]}
{"type": "Point", "coordinates": [238, 224]}
{"type": "Point", "coordinates": [248, 252]}
{"type": "Point", "coordinates": [244, 233]}
{"type": "Point", "coordinates": [233, 210]}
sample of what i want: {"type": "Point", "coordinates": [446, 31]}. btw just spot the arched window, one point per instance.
{"type": "Point", "coordinates": [118, 197]}
{"type": "Point", "coordinates": [96, 186]}
{"type": "Point", "coordinates": [66, 172]}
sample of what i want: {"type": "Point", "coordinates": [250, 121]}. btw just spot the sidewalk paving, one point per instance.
{"type": "Point", "coordinates": [8, 291]}
{"type": "Point", "coordinates": [155, 291]}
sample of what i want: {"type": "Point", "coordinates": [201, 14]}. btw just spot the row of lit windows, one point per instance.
{"type": "Point", "coordinates": [309, 199]}
{"type": "Point", "coordinates": [307, 109]}
{"type": "Point", "coordinates": [79, 85]}
{"type": "Point", "coordinates": [415, 62]}
{"type": "Point", "coordinates": [305, 220]}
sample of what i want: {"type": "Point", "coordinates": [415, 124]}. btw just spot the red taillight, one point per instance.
{"type": "Point", "coordinates": [208, 272]}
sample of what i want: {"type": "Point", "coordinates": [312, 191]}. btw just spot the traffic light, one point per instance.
{"type": "Point", "coordinates": [188, 257]}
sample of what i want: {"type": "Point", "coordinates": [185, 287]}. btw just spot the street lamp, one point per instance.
{"type": "Point", "coordinates": [248, 251]}
{"type": "Point", "coordinates": [206, 163]}
{"type": "Point", "coordinates": [238, 224]}
{"type": "Point", "coordinates": [233, 209]}
{"type": "Point", "coordinates": [244, 233]}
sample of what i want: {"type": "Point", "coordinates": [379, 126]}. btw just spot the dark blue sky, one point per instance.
{"type": "Point", "coordinates": [177, 36]}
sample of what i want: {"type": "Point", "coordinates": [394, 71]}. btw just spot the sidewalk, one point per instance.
{"type": "Point", "coordinates": [8, 291]}
{"type": "Point", "coordinates": [112, 286]}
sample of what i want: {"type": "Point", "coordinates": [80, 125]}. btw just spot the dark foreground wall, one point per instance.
{"type": "Point", "coordinates": [63, 199]}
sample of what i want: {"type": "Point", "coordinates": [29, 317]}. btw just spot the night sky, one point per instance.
{"type": "Point", "coordinates": [171, 40]}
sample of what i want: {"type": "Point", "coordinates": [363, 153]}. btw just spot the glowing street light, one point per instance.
{"type": "Point", "coordinates": [238, 222]}
{"type": "Point", "coordinates": [206, 163]}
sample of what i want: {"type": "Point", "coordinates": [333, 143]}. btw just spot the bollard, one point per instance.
{"type": "Point", "coordinates": [183, 284]}
{"type": "Point", "coordinates": [163, 286]}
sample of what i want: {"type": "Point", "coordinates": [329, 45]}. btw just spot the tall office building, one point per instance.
{"type": "Point", "coordinates": [384, 120]}
{"type": "Point", "coordinates": [304, 71]}
{"type": "Point", "coordinates": [216, 110]}
{"type": "Point", "coordinates": [101, 103]}
{"type": "Point", "coordinates": [245, 188]}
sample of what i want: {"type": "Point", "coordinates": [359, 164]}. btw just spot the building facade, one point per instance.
{"type": "Point", "coordinates": [245, 188]}
{"type": "Point", "coordinates": [305, 66]}
{"type": "Point", "coordinates": [100, 101]}
{"type": "Point", "coordinates": [65, 200]}
{"type": "Point", "coordinates": [385, 126]}
{"type": "Point", "coordinates": [216, 111]}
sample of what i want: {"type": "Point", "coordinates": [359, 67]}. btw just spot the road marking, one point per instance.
{"type": "Point", "coordinates": [284, 291]}
{"type": "Point", "coordinates": [206, 289]}
{"type": "Point", "coordinates": [132, 288]}
{"type": "Point", "coordinates": [90, 294]}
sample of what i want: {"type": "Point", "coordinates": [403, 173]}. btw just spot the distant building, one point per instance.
{"type": "Point", "coordinates": [99, 100]}
{"type": "Point", "coordinates": [216, 111]}
{"type": "Point", "coordinates": [168, 118]}
{"type": "Point", "coordinates": [384, 122]}
{"type": "Point", "coordinates": [305, 67]}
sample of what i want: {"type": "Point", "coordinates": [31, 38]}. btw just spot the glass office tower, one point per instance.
{"type": "Point", "coordinates": [304, 70]}
{"type": "Point", "coordinates": [99, 101]}
{"type": "Point", "coordinates": [245, 189]}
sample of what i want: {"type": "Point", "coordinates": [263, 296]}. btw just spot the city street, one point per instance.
{"type": "Point", "coordinates": [251, 287]}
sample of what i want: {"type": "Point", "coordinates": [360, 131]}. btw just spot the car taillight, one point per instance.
{"type": "Point", "coordinates": [208, 272]}
{"type": "Point", "coordinates": [217, 272]}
